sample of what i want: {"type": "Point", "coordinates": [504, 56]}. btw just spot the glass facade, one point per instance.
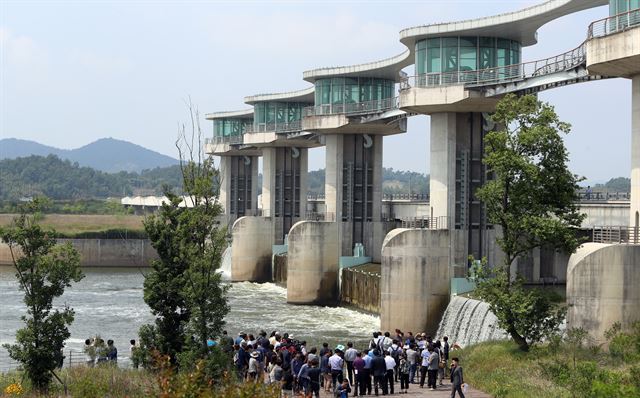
{"type": "Point", "coordinates": [277, 116]}
{"type": "Point", "coordinates": [339, 92]}
{"type": "Point", "coordinates": [619, 6]}
{"type": "Point", "coordinates": [230, 127]}
{"type": "Point", "coordinates": [461, 54]}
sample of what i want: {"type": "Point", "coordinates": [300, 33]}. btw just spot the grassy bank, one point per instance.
{"type": "Point", "coordinates": [554, 370]}
{"type": "Point", "coordinates": [70, 225]}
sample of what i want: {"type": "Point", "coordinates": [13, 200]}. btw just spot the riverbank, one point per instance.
{"type": "Point", "coordinates": [555, 370]}
{"type": "Point", "coordinates": [71, 224]}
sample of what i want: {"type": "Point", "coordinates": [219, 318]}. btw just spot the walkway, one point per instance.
{"type": "Point", "coordinates": [416, 391]}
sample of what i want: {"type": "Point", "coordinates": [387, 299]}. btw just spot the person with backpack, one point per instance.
{"type": "Point", "coordinates": [314, 379]}
{"type": "Point", "coordinates": [395, 350]}
{"type": "Point", "coordinates": [404, 374]}
{"type": "Point", "coordinates": [379, 370]}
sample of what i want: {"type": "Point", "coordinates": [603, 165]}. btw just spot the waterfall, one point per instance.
{"type": "Point", "coordinates": [467, 321]}
{"type": "Point", "coordinates": [225, 267]}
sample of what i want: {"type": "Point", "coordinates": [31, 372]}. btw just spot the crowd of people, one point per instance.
{"type": "Point", "coordinates": [97, 352]}
{"type": "Point", "coordinates": [385, 361]}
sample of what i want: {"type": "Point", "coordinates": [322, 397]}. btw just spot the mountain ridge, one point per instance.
{"type": "Point", "coordinates": [105, 154]}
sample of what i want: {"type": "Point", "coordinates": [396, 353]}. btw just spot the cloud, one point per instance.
{"type": "Point", "coordinates": [19, 50]}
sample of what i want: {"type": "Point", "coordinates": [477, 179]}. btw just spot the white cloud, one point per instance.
{"type": "Point", "coordinates": [19, 50]}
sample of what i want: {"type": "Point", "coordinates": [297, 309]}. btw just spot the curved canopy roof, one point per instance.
{"type": "Point", "coordinates": [521, 25]}
{"type": "Point", "coordinates": [305, 95]}
{"type": "Point", "coordinates": [386, 69]}
{"type": "Point", "coordinates": [243, 114]}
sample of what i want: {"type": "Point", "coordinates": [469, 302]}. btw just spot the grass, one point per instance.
{"type": "Point", "coordinates": [71, 224]}
{"type": "Point", "coordinates": [502, 370]}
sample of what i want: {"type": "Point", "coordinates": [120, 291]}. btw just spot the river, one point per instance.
{"type": "Point", "coordinates": [109, 302]}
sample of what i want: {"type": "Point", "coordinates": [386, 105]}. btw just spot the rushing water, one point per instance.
{"type": "Point", "coordinates": [108, 302]}
{"type": "Point", "coordinates": [467, 321]}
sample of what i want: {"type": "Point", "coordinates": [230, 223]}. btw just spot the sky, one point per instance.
{"type": "Point", "coordinates": [72, 72]}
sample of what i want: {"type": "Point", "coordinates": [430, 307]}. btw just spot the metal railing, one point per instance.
{"type": "Point", "coordinates": [287, 127]}
{"type": "Point", "coordinates": [614, 24]}
{"type": "Point", "coordinates": [441, 222]}
{"type": "Point", "coordinates": [320, 216]}
{"type": "Point", "coordinates": [502, 74]}
{"type": "Point", "coordinates": [620, 235]}
{"type": "Point", "coordinates": [374, 106]}
{"type": "Point", "coordinates": [414, 197]}
{"type": "Point", "coordinates": [229, 139]}
{"type": "Point", "coordinates": [71, 358]}
{"type": "Point", "coordinates": [315, 196]}
{"type": "Point", "coordinates": [603, 196]}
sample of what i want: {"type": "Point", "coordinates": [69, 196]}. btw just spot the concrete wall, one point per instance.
{"type": "Point", "coordinates": [634, 213]}
{"type": "Point", "coordinates": [415, 279]}
{"type": "Point", "coordinates": [602, 287]}
{"type": "Point", "coordinates": [615, 55]}
{"type": "Point", "coordinates": [605, 214]}
{"type": "Point", "coordinates": [103, 252]}
{"type": "Point", "coordinates": [312, 263]}
{"type": "Point", "coordinates": [252, 240]}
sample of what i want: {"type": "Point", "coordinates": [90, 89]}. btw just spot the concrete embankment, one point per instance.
{"type": "Point", "coordinates": [103, 252]}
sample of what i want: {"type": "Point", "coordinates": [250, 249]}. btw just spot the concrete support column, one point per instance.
{"type": "Point", "coordinates": [268, 181]}
{"type": "Point", "coordinates": [635, 153]}
{"type": "Point", "coordinates": [443, 166]}
{"type": "Point", "coordinates": [225, 183]}
{"type": "Point", "coordinates": [333, 175]}
{"type": "Point", "coordinates": [304, 186]}
{"type": "Point", "coordinates": [377, 178]}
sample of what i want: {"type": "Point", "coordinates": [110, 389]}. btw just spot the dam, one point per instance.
{"type": "Point", "coordinates": [462, 69]}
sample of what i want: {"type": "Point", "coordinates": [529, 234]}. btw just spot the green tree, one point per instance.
{"type": "Point", "coordinates": [184, 289]}
{"type": "Point", "coordinates": [44, 270]}
{"type": "Point", "coordinates": [532, 199]}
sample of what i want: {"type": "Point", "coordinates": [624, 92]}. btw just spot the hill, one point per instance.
{"type": "Point", "coordinates": [60, 179]}
{"type": "Point", "coordinates": [106, 154]}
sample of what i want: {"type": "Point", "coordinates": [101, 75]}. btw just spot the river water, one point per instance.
{"type": "Point", "coordinates": [108, 302]}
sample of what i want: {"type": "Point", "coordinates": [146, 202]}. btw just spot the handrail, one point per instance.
{"type": "Point", "coordinates": [365, 107]}
{"type": "Point", "coordinates": [615, 234]}
{"type": "Point", "coordinates": [502, 74]}
{"type": "Point", "coordinates": [440, 222]}
{"type": "Point", "coordinates": [286, 127]}
{"type": "Point", "coordinates": [229, 139]}
{"type": "Point", "coordinates": [614, 24]}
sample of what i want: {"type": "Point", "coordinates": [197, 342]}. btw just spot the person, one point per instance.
{"type": "Point", "coordinates": [336, 363]}
{"type": "Point", "coordinates": [424, 366]}
{"type": "Point", "coordinates": [242, 360]}
{"type": "Point", "coordinates": [287, 385]}
{"type": "Point", "coordinates": [303, 378]}
{"type": "Point", "coordinates": [442, 364]}
{"type": "Point", "coordinates": [314, 378]}
{"type": "Point", "coordinates": [434, 363]}
{"type": "Point", "coordinates": [101, 350]}
{"type": "Point", "coordinates": [253, 366]}
{"type": "Point", "coordinates": [349, 357]}
{"type": "Point", "coordinates": [133, 354]}
{"type": "Point", "coordinates": [296, 365]}
{"type": "Point", "coordinates": [366, 373]}
{"type": "Point", "coordinates": [276, 373]}
{"type": "Point", "coordinates": [343, 389]}
{"type": "Point", "coordinates": [588, 192]}
{"type": "Point", "coordinates": [404, 374]}
{"type": "Point", "coordinates": [395, 350]}
{"type": "Point", "coordinates": [358, 369]}
{"type": "Point", "coordinates": [412, 359]}
{"type": "Point", "coordinates": [445, 351]}
{"type": "Point", "coordinates": [90, 353]}
{"type": "Point", "coordinates": [325, 369]}
{"type": "Point", "coordinates": [226, 343]}
{"type": "Point", "coordinates": [457, 378]}
{"type": "Point", "coordinates": [112, 352]}
{"type": "Point", "coordinates": [386, 341]}
{"type": "Point", "coordinates": [379, 369]}
{"type": "Point", "coordinates": [324, 349]}
{"type": "Point", "coordinates": [242, 336]}
{"type": "Point", "coordinates": [389, 377]}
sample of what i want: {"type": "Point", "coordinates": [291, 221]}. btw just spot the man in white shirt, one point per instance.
{"type": "Point", "coordinates": [425, 364]}
{"type": "Point", "coordinates": [349, 357]}
{"type": "Point", "coordinates": [336, 363]}
{"type": "Point", "coordinates": [391, 364]}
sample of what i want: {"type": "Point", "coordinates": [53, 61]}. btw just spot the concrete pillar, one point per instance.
{"type": "Point", "coordinates": [377, 177]}
{"type": "Point", "coordinates": [602, 288]}
{"type": "Point", "coordinates": [313, 263]}
{"type": "Point", "coordinates": [635, 152]}
{"type": "Point", "coordinates": [333, 175]}
{"type": "Point", "coordinates": [304, 185]}
{"type": "Point", "coordinates": [415, 274]}
{"type": "Point", "coordinates": [225, 183]}
{"type": "Point", "coordinates": [251, 247]}
{"type": "Point", "coordinates": [268, 181]}
{"type": "Point", "coordinates": [443, 166]}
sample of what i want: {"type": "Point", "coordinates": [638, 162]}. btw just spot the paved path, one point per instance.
{"type": "Point", "coordinates": [416, 391]}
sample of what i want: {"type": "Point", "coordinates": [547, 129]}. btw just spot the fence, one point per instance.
{"type": "Point", "coordinates": [71, 358]}
{"type": "Point", "coordinates": [614, 24]}
{"type": "Point", "coordinates": [602, 196]}
{"type": "Point", "coordinates": [621, 235]}
{"type": "Point", "coordinates": [440, 222]}
{"type": "Point", "coordinates": [360, 289]}
{"type": "Point", "coordinates": [374, 106]}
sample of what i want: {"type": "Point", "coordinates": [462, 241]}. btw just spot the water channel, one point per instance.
{"type": "Point", "coordinates": [109, 302]}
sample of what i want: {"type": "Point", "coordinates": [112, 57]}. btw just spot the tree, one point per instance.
{"type": "Point", "coordinates": [532, 198]}
{"type": "Point", "coordinates": [44, 270]}
{"type": "Point", "coordinates": [184, 289]}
